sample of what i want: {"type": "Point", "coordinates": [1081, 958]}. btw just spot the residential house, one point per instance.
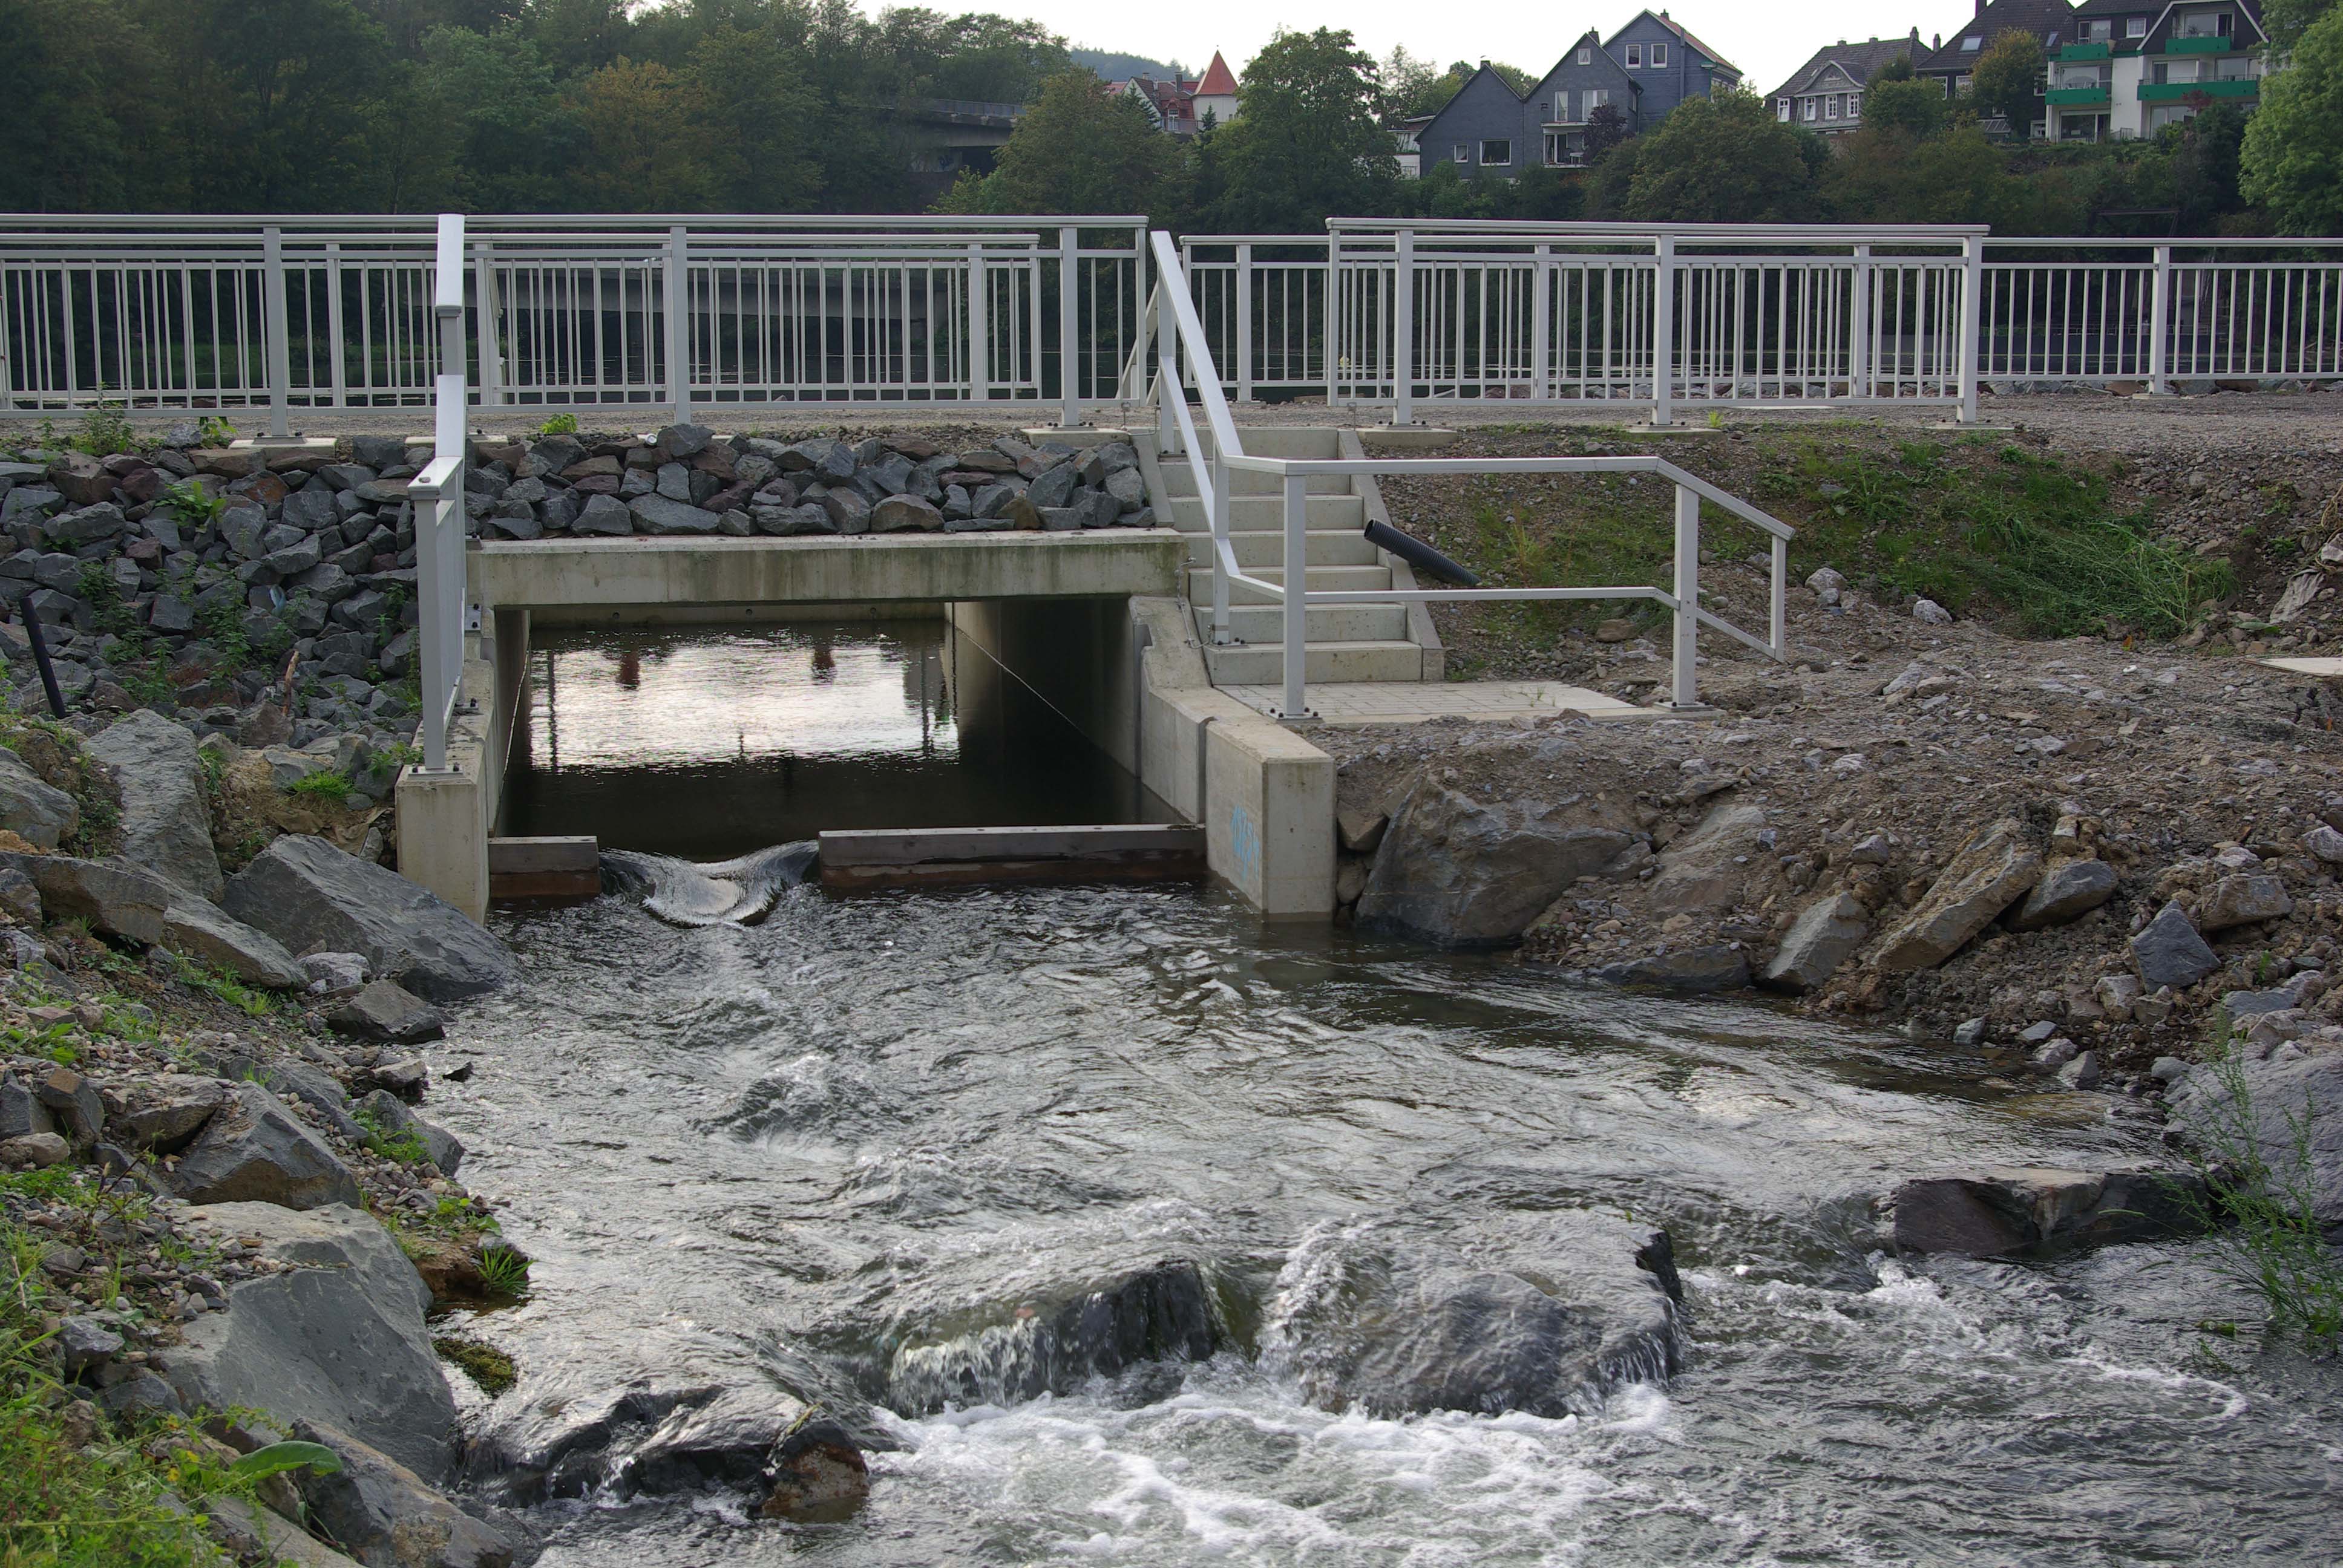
{"type": "Point", "coordinates": [2133, 67]}
{"type": "Point", "coordinates": [1669, 64]}
{"type": "Point", "coordinates": [1184, 108]}
{"type": "Point", "coordinates": [1647, 67]}
{"type": "Point", "coordinates": [1953, 56]}
{"type": "Point", "coordinates": [1825, 93]}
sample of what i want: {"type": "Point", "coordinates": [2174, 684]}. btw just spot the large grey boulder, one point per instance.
{"type": "Point", "coordinates": [2067, 892]}
{"type": "Point", "coordinates": [385, 1513]}
{"type": "Point", "coordinates": [252, 1149]}
{"type": "Point", "coordinates": [1717, 966]}
{"type": "Point", "coordinates": [37, 812]}
{"type": "Point", "coordinates": [117, 900]}
{"type": "Point", "coordinates": [1454, 872]}
{"type": "Point", "coordinates": [166, 827]}
{"type": "Point", "coordinates": [2256, 1109]}
{"type": "Point", "coordinates": [1546, 1314]}
{"type": "Point", "coordinates": [162, 1114]}
{"type": "Point", "coordinates": [660, 514]}
{"type": "Point", "coordinates": [2008, 1212]}
{"type": "Point", "coordinates": [206, 931]}
{"type": "Point", "coordinates": [1698, 873]}
{"type": "Point", "coordinates": [338, 1339]}
{"type": "Point", "coordinates": [2169, 951]}
{"type": "Point", "coordinates": [385, 1010]}
{"type": "Point", "coordinates": [312, 896]}
{"type": "Point", "coordinates": [1826, 933]}
{"type": "Point", "coordinates": [1993, 870]}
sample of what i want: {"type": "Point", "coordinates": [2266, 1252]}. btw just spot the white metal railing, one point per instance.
{"type": "Point", "coordinates": [569, 313]}
{"type": "Point", "coordinates": [1182, 337]}
{"type": "Point", "coordinates": [1796, 316]}
{"type": "Point", "coordinates": [436, 495]}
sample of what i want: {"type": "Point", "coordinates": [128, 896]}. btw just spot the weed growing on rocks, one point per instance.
{"type": "Point", "coordinates": [2260, 1206]}
{"type": "Point", "coordinates": [486, 1365]}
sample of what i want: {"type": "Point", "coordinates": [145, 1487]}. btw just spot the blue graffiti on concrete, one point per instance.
{"type": "Point", "coordinates": [1244, 845]}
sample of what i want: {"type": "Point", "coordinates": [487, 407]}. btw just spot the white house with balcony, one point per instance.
{"type": "Point", "coordinates": [2134, 67]}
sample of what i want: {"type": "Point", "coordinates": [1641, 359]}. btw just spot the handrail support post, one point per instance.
{"type": "Point", "coordinates": [2159, 325]}
{"type": "Point", "coordinates": [1404, 327]}
{"type": "Point", "coordinates": [1297, 599]}
{"type": "Point", "coordinates": [1972, 324]}
{"type": "Point", "coordinates": [1684, 683]}
{"type": "Point", "coordinates": [1663, 332]}
{"type": "Point", "coordinates": [277, 322]}
{"type": "Point", "coordinates": [679, 323]}
{"type": "Point", "coordinates": [1069, 359]}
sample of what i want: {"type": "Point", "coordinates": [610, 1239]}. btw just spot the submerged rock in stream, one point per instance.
{"type": "Point", "coordinates": [1164, 1313]}
{"type": "Point", "coordinates": [724, 893]}
{"type": "Point", "coordinates": [793, 1460]}
{"type": "Point", "coordinates": [1546, 1316]}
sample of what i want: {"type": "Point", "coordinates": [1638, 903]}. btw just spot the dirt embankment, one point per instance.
{"type": "Point", "coordinates": [1916, 822]}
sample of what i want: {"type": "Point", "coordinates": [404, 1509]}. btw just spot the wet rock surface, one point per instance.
{"type": "Point", "coordinates": [312, 896]}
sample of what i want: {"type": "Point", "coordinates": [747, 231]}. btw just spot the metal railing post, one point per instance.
{"type": "Point", "coordinates": [1244, 323]}
{"type": "Point", "coordinates": [678, 324]}
{"type": "Point", "coordinates": [2159, 325]}
{"type": "Point", "coordinates": [1404, 327]}
{"type": "Point", "coordinates": [979, 327]}
{"type": "Point", "coordinates": [1664, 331]}
{"type": "Point", "coordinates": [485, 312]}
{"type": "Point", "coordinates": [1219, 525]}
{"type": "Point", "coordinates": [1334, 316]}
{"type": "Point", "coordinates": [1972, 323]}
{"type": "Point", "coordinates": [1168, 383]}
{"type": "Point", "coordinates": [1069, 359]}
{"type": "Point", "coordinates": [1685, 684]}
{"type": "Point", "coordinates": [335, 341]}
{"type": "Point", "coordinates": [1777, 607]}
{"type": "Point", "coordinates": [276, 322]}
{"type": "Point", "coordinates": [1297, 596]}
{"type": "Point", "coordinates": [1858, 361]}
{"type": "Point", "coordinates": [1542, 376]}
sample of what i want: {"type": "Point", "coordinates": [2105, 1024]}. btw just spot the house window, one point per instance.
{"type": "Point", "coordinates": [1586, 57]}
{"type": "Point", "coordinates": [1561, 108]}
{"type": "Point", "coordinates": [1855, 106]}
{"type": "Point", "coordinates": [1596, 98]}
{"type": "Point", "coordinates": [1781, 108]}
{"type": "Point", "coordinates": [1464, 153]}
{"type": "Point", "coordinates": [1566, 149]}
{"type": "Point", "coordinates": [1659, 56]}
{"type": "Point", "coordinates": [1496, 152]}
{"type": "Point", "coordinates": [1972, 43]}
{"type": "Point", "coordinates": [1812, 108]}
{"type": "Point", "coordinates": [1634, 56]}
{"type": "Point", "coordinates": [1830, 108]}
{"type": "Point", "coordinates": [2135, 27]}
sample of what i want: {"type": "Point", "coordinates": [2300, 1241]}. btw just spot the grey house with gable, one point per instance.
{"type": "Point", "coordinates": [1648, 68]}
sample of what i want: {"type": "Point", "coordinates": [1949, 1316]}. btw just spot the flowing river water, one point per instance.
{"type": "Point", "coordinates": [754, 1154]}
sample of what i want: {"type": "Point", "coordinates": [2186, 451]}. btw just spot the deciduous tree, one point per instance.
{"type": "Point", "coordinates": [1306, 145]}
{"type": "Point", "coordinates": [2006, 79]}
{"type": "Point", "coordinates": [2292, 161]}
{"type": "Point", "coordinates": [1080, 149]}
{"type": "Point", "coordinates": [1724, 159]}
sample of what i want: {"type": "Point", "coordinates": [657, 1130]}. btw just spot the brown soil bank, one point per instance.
{"type": "Point", "coordinates": [1925, 822]}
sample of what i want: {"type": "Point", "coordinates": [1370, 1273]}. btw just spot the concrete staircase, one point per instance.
{"type": "Point", "coordinates": [1363, 642]}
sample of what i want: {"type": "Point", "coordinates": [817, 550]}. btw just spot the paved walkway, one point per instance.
{"type": "Point", "coordinates": [1367, 702]}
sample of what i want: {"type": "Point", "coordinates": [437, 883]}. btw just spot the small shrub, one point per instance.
{"type": "Point", "coordinates": [330, 784]}
{"type": "Point", "coordinates": [104, 431]}
{"type": "Point", "coordinates": [559, 425]}
{"type": "Point", "coordinates": [405, 1148]}
{"type": "Point", "coordinates": [505, 1272]}
{"type": "Point", "coordinates": [193, 505]}
{"type": "Point", "coordinates": [215, 430]}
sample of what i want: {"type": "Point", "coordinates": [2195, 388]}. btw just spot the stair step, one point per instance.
{"type": "Point", "coordinates": [1251, 512]}
{"type": "Point", "coordinates": [1326, 580]}
{"type": "Point", "coordinates": [1179, 479]}
{"type": "Point", "coordinates": [1324, 663]}
{"type": "Point", "coordinates": [1265, 623]}
{"type": "Point", "coordinates": [1327, 547]}
{"type": "Point", "coordinates": [1286, 441]}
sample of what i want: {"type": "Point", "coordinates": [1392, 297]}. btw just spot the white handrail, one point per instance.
{"type": "Point", "coordinates": [1171, 288]}
{"type": "Point", "coordinates": [1682, 601]}
{"type": "Point", "coordinates": [437, 495]}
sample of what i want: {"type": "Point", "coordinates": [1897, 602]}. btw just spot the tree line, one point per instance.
{"type": "Point", "coordinates": [798, 106]}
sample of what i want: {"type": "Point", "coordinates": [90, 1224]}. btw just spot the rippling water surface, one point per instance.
{"type": "Point", "coordinates": [728, 1145]}
{"type": "Point", "coordinates": [757, 1153]}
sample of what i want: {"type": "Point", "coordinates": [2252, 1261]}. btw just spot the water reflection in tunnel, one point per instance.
{"type": "Point", "coordinates": [707, 742]}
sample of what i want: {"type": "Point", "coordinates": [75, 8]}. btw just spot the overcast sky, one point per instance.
{"type": "Point", "coordinates": [1767, 40]}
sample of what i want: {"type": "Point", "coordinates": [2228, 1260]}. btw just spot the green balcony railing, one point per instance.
{"type": "Point", "coordinates": [2077, 98]}
{"type": "Point", "coordinates": [2213, 44]}
{"type": "Point", "coordinates": [2175, 92]}
{"type": "Point", "coordinates": [2085, 52]}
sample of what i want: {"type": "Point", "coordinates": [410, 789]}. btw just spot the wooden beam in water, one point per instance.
{"type": "Point", "coordinates": [959, 857]}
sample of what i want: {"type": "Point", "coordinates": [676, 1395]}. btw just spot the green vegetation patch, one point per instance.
{"type": "Point", "coordinates": [483, 1364]}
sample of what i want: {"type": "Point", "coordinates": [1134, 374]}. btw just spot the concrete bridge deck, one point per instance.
{"type": "Point", "coordinates": [859, 568]}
